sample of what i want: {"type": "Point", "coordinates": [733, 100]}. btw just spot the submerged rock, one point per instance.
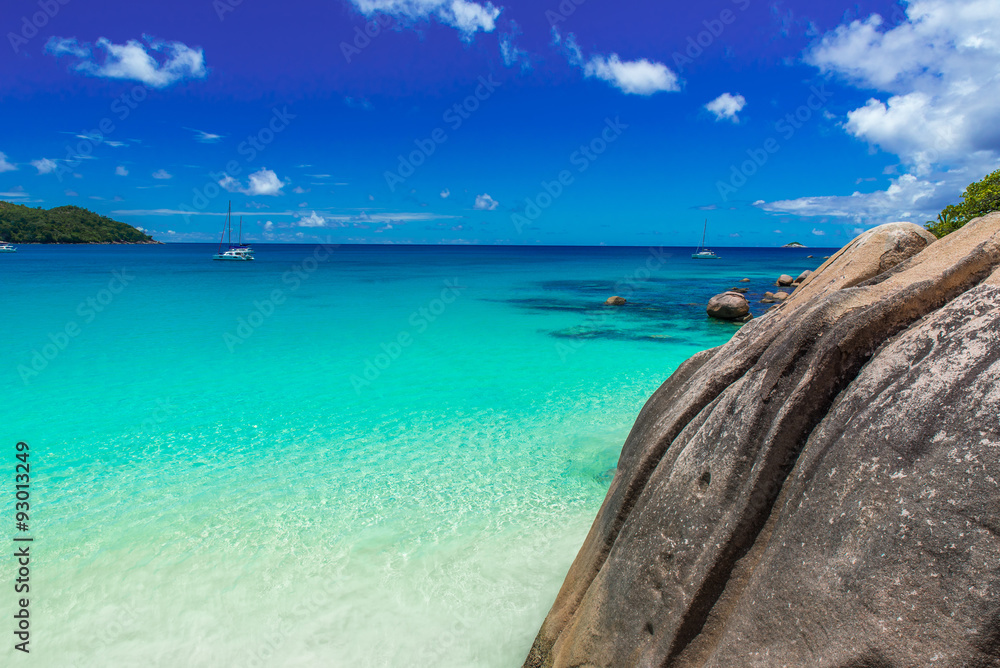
{"type": "Point", "coordinates": [820, 491]}
{"type": "Point", "coordinates": [728, 306]}
{"type": "Point", "coordinates": [615, 301]}
{"type": "Point", "coordinates": [744, 280]}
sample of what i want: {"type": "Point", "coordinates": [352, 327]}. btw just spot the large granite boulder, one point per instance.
{"type": "Point", "coordinates": [823, 490]}
{"type": "Point", "coordinates": [728, 306]}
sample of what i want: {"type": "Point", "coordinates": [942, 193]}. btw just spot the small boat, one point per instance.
{"type": "Point", "coordinates": [236, 254]}
{"type": "Point", "coordinates": [702, 252]}
{"type": "Point", "coordinates": [7, 248]}
{"type": "Point", "coordinates": [240, 252]}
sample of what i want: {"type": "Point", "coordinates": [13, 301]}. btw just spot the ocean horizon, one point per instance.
{"type": "Point", "coordinates": [371, 455]}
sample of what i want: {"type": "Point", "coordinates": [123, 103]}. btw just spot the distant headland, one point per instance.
{"type": "Point", "coordinates": [21, 224]}
{"type": "Point", "coordinates": [794, 244]}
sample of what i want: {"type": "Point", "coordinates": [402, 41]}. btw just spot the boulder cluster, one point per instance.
{"type": "Point", "coordinates": [733, 305]}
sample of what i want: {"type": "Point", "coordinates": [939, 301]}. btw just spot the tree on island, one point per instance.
{"type": "Point", "coordinates": [979, 199]}
{"type": "Point", "coordinates": [64, 225]}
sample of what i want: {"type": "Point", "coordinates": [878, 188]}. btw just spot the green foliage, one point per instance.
{"type": "Point", "coordinates": [979, 199]}
{"type": "Point", "coordinates": [63, 225]}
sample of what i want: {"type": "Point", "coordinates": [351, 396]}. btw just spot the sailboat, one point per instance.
{"type": "Point", "coordinates": [238, 253]}
{"type": "Point", "coordinates": [705, 253]}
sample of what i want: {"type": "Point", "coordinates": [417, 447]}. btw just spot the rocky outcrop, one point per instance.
{"type": "Point", "coordinates": [784, 280]}
{"type": "Point", "coordinates": [823, 490]}
{"type": "Point", "coordinates": [728, 306]}
{"type": "Point", "coordinates": [615, 301]}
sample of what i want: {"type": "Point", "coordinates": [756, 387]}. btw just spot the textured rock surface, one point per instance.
{"type": "Point", "coordinates": [784, 279]}
{"type": "Point", "coordinates": [728, 306]}
{"type": "Point", "coordinates": [824, 490]}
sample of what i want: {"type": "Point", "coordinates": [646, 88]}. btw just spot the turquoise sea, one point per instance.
{"type": "Point", "coordinates": [341, 456]}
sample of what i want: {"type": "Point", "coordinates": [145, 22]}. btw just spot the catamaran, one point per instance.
{"type": "Point", "coordinates": [705, 253]}
{"type": "Point", "coordinates": [6, 248]}
{"type": "Point", "coordinates": [240, 252]}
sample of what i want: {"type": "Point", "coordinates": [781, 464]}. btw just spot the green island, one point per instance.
{"type": "Point", "coordinates": [21, 224]}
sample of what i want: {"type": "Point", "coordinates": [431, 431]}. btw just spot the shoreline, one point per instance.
{"type": "Point", "coordinates": [87, 243]}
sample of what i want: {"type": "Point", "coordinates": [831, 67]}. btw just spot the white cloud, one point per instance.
{"type": "Point", "coordinates": [312, 220]}
{"type": "Point", "coordinates": [72, 193]}
{"type": "Point", "coordinates": [485, 203]}
{"type": "Point", "coordinates": [329, 219]}
{"type": "Point", "coordinates": [4, 165]}
{"type": "Point", "coordinates": [299, 190]}
{"type": "Point", "coordinates": [445, 193]}
{"type": "Point", "coordinates": [229, 183]}
{"type": "Point", "coordinates": [937, 76]}
{"type": "Point", "coordinates": [941, 71]}
{"type": "Point", "coordinates": [44, 166]}
{"type": "Point", "coordinates": [63, 46]}
{"type": "Point", "coordinates": [908, 197]}
{"type": "Point", "coordinates": [262, 182]}
{"type": "Point", "coordinates": [819, 233]}
{"type": "Point", "coordinates": [465, 16]}
{"type": "Point", "coordinates": [510, 52]}
{"type": "Point", "coordinates": [162, 174]}
{"type": "Point", "coordinates": [133, 61]}
{"type": "Point", "coordinates": [636, 77]}
{"type": "Point", "coordinates": [727, 106]}
{"type": "Point", "coordinates": [121, 170]}
{"type": "Point", "coordinates": [203, 137]}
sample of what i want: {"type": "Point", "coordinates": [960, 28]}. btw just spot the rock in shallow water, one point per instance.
{"type": "Point", "coordinates": [800, 497]}
{"type": "Point", "coordinates": [615, 301]}
{"type": "Point", "coordinates": [728, 306]}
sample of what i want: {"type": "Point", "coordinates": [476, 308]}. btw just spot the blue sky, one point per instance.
{"type": "Point", "coordinates": [458, 121]}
